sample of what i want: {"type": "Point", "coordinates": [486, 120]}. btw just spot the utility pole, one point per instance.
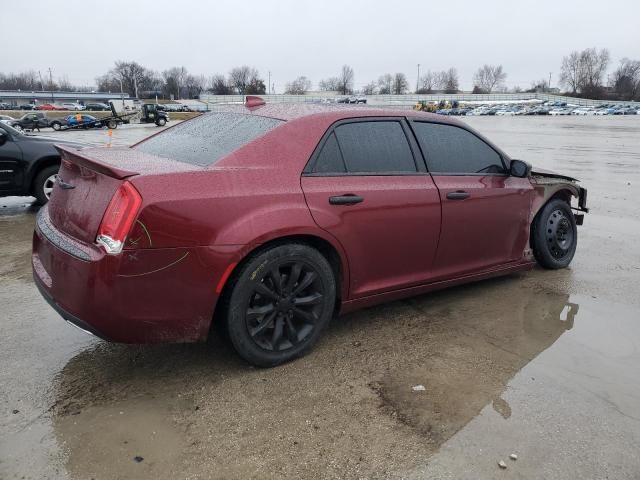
{"type": "Point", "coordinates": [549, 81]}
{"type": "Point", "coordinates": [418, 79]}
{"type": "Point", "coordinates": [135, 85]}
{"type": "Point", "coordinates": [41, 82]}
{"type": "Point", "coordinates": [51, 84]}
{"type": "Point", "coordinates": [269, 82]}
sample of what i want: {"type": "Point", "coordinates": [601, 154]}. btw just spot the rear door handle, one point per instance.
{"type": "Point", "coordinates": [459, 195]}
{"type": "Point", "coordinates": [347, 199]}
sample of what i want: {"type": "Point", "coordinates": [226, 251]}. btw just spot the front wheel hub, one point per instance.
{"type": "Point", "coordinates": [559, 234]}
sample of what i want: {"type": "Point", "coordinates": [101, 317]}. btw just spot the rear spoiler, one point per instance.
{"type": "Point", "coordinates": [71, 155]}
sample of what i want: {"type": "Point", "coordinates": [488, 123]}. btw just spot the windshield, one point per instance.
{"type": "Point", "coordinates": [208, 138]}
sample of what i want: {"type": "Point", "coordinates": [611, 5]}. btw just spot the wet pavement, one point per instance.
{"type": "Point", "coordinates": [542, 364]}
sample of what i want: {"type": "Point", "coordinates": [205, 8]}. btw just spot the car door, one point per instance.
{"type": "Point", "coordinates": [367, 186]}
{"type": "Point", "coordinates": [485, 211]}
{"type": "Point", "coordinates": [11, 173]}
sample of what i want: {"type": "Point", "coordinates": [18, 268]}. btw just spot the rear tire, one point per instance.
{"type": "Point", "coordinates": [43, 184]}
{"type": "Point", "coordinates": [278, 303]}
{"type": "Point", "coordinates": [161, 122]}
{"type": "Point", "coordinates": [112, 124]}
{"type": "Point", "coordinates": [554, 235]}
{"type": "Point", "coordinates": [56, 126]}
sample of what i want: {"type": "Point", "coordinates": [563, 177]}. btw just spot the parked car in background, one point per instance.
{"type": "Point", "coordinates": [72, 106]}
{"type": "Point", "coordinates": [152, 264]}
{"type": "Point", "coordinates": [28, 163]}
{"type": "Point", "coordinates": [77, 120]}
{"type": "Point", "coordinates": [175, 107]}
{"type": "Point", "coordinates": [5, 106]}
{"type": "Point", "coordinates": [560, 111]}
{"type": "Point", "coordinates": [27, 106]}
{"type": "Point", "coordinates": [47, 106]}
{"type": "Point", "coordinates": [97, 107]}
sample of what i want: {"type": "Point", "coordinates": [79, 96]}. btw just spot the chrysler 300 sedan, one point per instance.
{"type": "Point", "coordinates": [269, 220]}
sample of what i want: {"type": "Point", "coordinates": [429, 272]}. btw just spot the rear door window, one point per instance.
{"type": "Point", "coordinates": [454, 150]}
{"type": "Point", "coordinates": [375, 147]}
{"type": "Point", "coordinates": [330, 159]}
{"type": "Point", "coordinates": [208, 138]}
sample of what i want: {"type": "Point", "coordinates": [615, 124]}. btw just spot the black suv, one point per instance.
{"type": "Point", "coordinates": [28, 163]}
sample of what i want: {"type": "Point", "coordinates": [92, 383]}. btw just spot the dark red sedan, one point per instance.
{"type": "Point", "coordinates": [271, 219]}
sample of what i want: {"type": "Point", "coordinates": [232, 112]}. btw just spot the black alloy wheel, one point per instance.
{"type": "Point", "coordinates": [279, 302]}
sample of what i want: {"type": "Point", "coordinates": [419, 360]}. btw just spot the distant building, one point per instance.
{"type": "Point", "coordinates": [17, 97]}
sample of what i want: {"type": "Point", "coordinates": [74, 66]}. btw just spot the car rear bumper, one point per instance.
{"type": "Point", "coordinates": [139, 296]}
{"type": "Point", "coordinates": [72, 319]}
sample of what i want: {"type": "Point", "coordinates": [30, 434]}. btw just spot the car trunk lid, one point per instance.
{"type": "Point", "coordinates": [88, 179]}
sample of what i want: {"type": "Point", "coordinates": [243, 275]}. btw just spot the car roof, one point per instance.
{"type": "Point", "coordinates": [294, 111]}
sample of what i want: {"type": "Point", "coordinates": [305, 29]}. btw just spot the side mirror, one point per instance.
{"type": "Point", "coordinates": [519, 168]}
{"type": "Point", "coordinates": [3, 138]}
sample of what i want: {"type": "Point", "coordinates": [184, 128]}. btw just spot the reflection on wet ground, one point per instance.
{"type": "Point", "coordinates": [351, 399]}
{"type": "Point", "coordinates": [542, 364]}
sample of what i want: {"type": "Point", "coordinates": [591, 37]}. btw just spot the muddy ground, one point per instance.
{"type": "Point", "coordinates": [543, 364]}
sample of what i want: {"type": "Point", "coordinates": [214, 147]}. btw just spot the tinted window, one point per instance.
{"type": "Point", "coordinates": [375, 147]}
{"type": "Point", "coordinates": [206, 139]}
{"type": "Point", "coordinates": [330, 158]}
{"type": "Point", "coordinates": [452, 149]}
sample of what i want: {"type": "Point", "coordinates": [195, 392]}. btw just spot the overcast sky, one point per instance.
{"type": "Point", "coordinates": [294, 37]}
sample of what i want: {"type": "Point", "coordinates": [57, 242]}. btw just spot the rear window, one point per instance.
{"type": "Point", "coordinates": [206, 139]}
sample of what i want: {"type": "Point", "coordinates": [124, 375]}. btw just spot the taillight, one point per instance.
{"type": "Point", "coordinates": [119, 218]}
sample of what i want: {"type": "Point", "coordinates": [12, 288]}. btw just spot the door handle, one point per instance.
{"type": "Point", "coordinates": [459, 195]}
{"type": "Point", "coordinates": [347, 199]}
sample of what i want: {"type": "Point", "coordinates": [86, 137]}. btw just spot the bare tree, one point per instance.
{"type": "Point", "coordinates": [174, 82]}
{"type": "Point", "coordinates": [299, 86]}
{"type": "Point", "coordinates": [539, 85]}
{"type": "Point", "coordinates": [583, 72]}
{"type": "Point", "coordinates": [64, 85]}
{"type": "Point", "coordinates": [194, 85]}
{"type": "Point", "coordinates": [131, 75]}
{"type": "Point", "coordinates": [331, 84]}
{"type": "Point", "coordinates": [427, 83]}
{"type": "Point", "coordinates": [385, 83]}
{"type": "Point", "coordinates": [218, 85]}
{"type": "Point", "coordinates": [449, 80]}
{"type": "Point", "coordinates": [346, 80]}
{"type": "Point", "coordinates": [21, 81]}
{"type": "Point", "coordinates": [571, 71]}
{"type": "Point", "coordinates": [256, 87]}
{"type": "Point", "coordinates": [626, 79]}
{"type": "Point", "coordinates": [242, 77]}
{"type": "Point", "coordinates": [400, 84]}
{"type": "Point", "coordinates": [489, 77]}
{"type": "Point", "coordinates": [440, 80]}
{"type": "Point", "coordinates": [370, 88]}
